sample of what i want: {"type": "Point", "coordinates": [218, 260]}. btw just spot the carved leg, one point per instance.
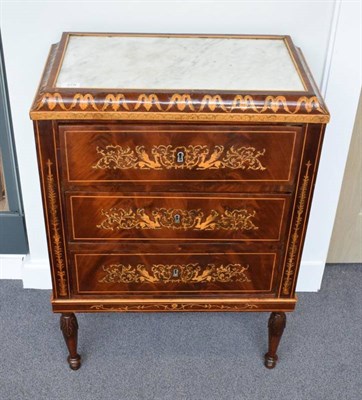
{"type": "Point", "coordinates": [276, 325]}
{"type": "Point", "coordinates": [69, 327]}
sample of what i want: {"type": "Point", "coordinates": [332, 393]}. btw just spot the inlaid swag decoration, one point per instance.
{"type": "Point", "coordinates": [159, 218]}
{"type": "Point", "coordinates": [174, 273]}
{"type": "Point", "coordinates": [198, 157]}
{"type": "Point", "coordinates": [179, 102]}
{"type": "Point", "coordinates": [179, 106]}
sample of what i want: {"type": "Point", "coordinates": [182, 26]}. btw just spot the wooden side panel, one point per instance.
{"type": "Point", "coordinates": [52, 203]}
{"type": "Point", "coordinates": [301, 208]}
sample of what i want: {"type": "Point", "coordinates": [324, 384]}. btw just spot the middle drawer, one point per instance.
{"type": "Point", "coordinates": [120, 217]}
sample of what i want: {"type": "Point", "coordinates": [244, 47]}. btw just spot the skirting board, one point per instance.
{"type": "Point", "coordinates": [35, 274]}
{"type": "Point", "coordinates": [310, 276]}
{"type": "Point", "coordinates": [11, 266]}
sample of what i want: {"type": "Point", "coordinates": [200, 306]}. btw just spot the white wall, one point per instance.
{"type": "Point", "coordinates": [29, 27]}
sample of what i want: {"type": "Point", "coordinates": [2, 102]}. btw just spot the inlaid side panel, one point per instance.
{"type": "Point", "coordinates": [179, 217]}
{"type": "Point", "coordinates": [301, 208]}
{"type": "Point", "coordinates": [52, 203]}
{"type": "Point", "coordinates": [173, 273]}
{"type": "Point", "coordinates": [121, 153]}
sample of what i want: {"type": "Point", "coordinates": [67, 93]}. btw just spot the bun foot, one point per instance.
{"type": "Point", "coordinates": [270, 361]}
{"type": "Point", "coordinates": [74, 362]}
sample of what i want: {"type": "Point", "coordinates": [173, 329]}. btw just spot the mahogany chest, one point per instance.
{"type": "Point", "coordinates": [177, 174]}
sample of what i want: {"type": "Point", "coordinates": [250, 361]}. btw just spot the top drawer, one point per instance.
{"type": "Point", "coordinates": [109, 153]}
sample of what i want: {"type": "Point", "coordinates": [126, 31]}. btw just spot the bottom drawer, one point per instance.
{"type": "Point", "coordinates": [173, 273]}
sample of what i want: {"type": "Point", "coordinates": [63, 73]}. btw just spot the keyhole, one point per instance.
{"type": "Point", "coordinates": [177, 218]}
{"type": "Point", "coordinates": [180, 157]}
{"type": "Point", "coordinates": [175, 273]}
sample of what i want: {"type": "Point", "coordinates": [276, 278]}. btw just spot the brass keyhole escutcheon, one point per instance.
{"type": "Point", "coordinates": [177, 218]}
{"type": "Point", "coordinates": [180, 157]}
{"type": "Point", "coordinates": [175, 273]}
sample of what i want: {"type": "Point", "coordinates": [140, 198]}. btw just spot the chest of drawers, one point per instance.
{"type": "Point", "coordinates": [177, 174]}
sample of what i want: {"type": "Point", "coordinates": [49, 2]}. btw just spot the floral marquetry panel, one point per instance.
{"type": "Point", "coordinates": [158, 153]}
{"type": "Point", "coordinates": [174, 273]}
{"type": "Point", "coordinates": [160, 272]}
{"type": "Point", "coordinates": [118, 219]}
{"type": "Point", "coordinates": [174, 218]}
{"type": "Point", "coordinates": [181, 157]}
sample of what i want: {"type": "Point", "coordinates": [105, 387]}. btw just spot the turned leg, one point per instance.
{"type": "Point", "coordinates": [69, 327]}
{"type": "Point", "coordinates": [276, 325]}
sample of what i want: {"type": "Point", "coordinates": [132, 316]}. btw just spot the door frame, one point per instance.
{"type": "Point", "coordinates": [13, 239]}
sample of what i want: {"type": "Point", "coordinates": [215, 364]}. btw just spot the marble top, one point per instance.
{"type": "Point", "coordinates": [178, 63]}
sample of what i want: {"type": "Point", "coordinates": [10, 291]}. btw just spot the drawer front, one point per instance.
{"type": "Point", "coordinates": [121, 153]}
{"type": "Point", "coordinates": [108, 217]}
{"type": "Point", "coordinates": [173, 273]}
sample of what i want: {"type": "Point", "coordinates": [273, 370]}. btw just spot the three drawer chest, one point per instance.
{"type": "Point", "coordinates": [177, 174]}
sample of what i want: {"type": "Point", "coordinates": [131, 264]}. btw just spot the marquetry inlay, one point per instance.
{"type": "Point", "coordinates": [160, 218]}
{"type": "Point", "coordinates": [57, 241]}
{"type": "Point", "coordinates": [198, 157]}
{"type": "Point", "coordinates": [175, 307]}
{"type": "Point", "coordinates": [174, 273]}
{"type": "Point", "coordinates": [148, 103]}
{"type": "Point", "coordinates": [295, 236]}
